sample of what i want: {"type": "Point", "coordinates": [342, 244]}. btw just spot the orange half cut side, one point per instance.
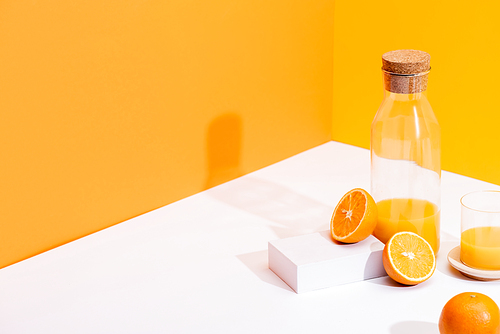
{"type": "Point", "coordinates": [354, 218]}
{"type": "Point", "coordinates": [408, 258]}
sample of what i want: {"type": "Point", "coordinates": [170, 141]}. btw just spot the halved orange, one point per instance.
{"type": "Point", "coordinates": [408, 258]}
{"type": "Point", "coordinates": [354, 218]}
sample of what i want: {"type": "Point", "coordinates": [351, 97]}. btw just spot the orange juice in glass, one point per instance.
{"type": "Point", "coordinates": [480, 238]}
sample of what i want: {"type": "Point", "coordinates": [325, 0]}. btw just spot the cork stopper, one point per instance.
{"type": "Point", "coordinates": [406, 71]}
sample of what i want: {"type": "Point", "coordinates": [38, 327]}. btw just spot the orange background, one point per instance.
{"type": "Point", "coordinates": [462, 39]}
{"type": "Point", "coordinates": [110, 109]}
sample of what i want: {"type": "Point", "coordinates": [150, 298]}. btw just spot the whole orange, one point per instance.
{"type": "Point", "coordinates": [471, 313]}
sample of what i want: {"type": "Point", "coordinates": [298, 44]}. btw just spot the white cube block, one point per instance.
{"type": "Point", "coordinates": [315, 261]}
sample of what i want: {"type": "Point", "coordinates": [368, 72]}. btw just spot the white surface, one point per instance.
{"type": "Point", "coordinates": [200, 265]}
{"type": "Point", "coordinates": [314, 261]}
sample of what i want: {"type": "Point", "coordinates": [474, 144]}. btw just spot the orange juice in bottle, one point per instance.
{"type": "Point", "coordinates": [406, 150]}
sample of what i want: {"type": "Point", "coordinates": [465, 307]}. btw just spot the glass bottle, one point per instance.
{"type": "Point", "coordinates": [406, 151]}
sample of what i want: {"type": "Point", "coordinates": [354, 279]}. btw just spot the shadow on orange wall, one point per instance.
{"type": "Point", "coordinates": [224, 138]}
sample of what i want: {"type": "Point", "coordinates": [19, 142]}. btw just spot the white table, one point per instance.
{"type": "Point", "coordinates": [200, 265]}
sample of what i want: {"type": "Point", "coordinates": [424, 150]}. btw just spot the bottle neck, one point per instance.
{"type": "Point", "coordinates": [403, 84]}
{"type": "Point", "coordinates": [405, 97]}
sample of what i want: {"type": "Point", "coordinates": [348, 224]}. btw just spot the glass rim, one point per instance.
{"type": "Point", "coordinates": [479, 192]}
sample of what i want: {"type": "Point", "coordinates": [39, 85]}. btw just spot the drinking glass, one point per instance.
{"type": "Point", "coordinates": [480, 227]}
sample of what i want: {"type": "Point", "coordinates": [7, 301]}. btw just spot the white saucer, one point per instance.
{"type": "Point", "coordinates": [482, 275]}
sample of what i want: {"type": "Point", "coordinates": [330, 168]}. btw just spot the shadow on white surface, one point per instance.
{"type": "Point", "coordinates": [444, 266]}
{"type": "Point", "coordinates": [387, 281]}
{"type": "Point", "coordinates": [257, 262]}
{"type": "Point", "coordinates": [291, 213]}
{"type": "Point", "coordinates": [414, 327]}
